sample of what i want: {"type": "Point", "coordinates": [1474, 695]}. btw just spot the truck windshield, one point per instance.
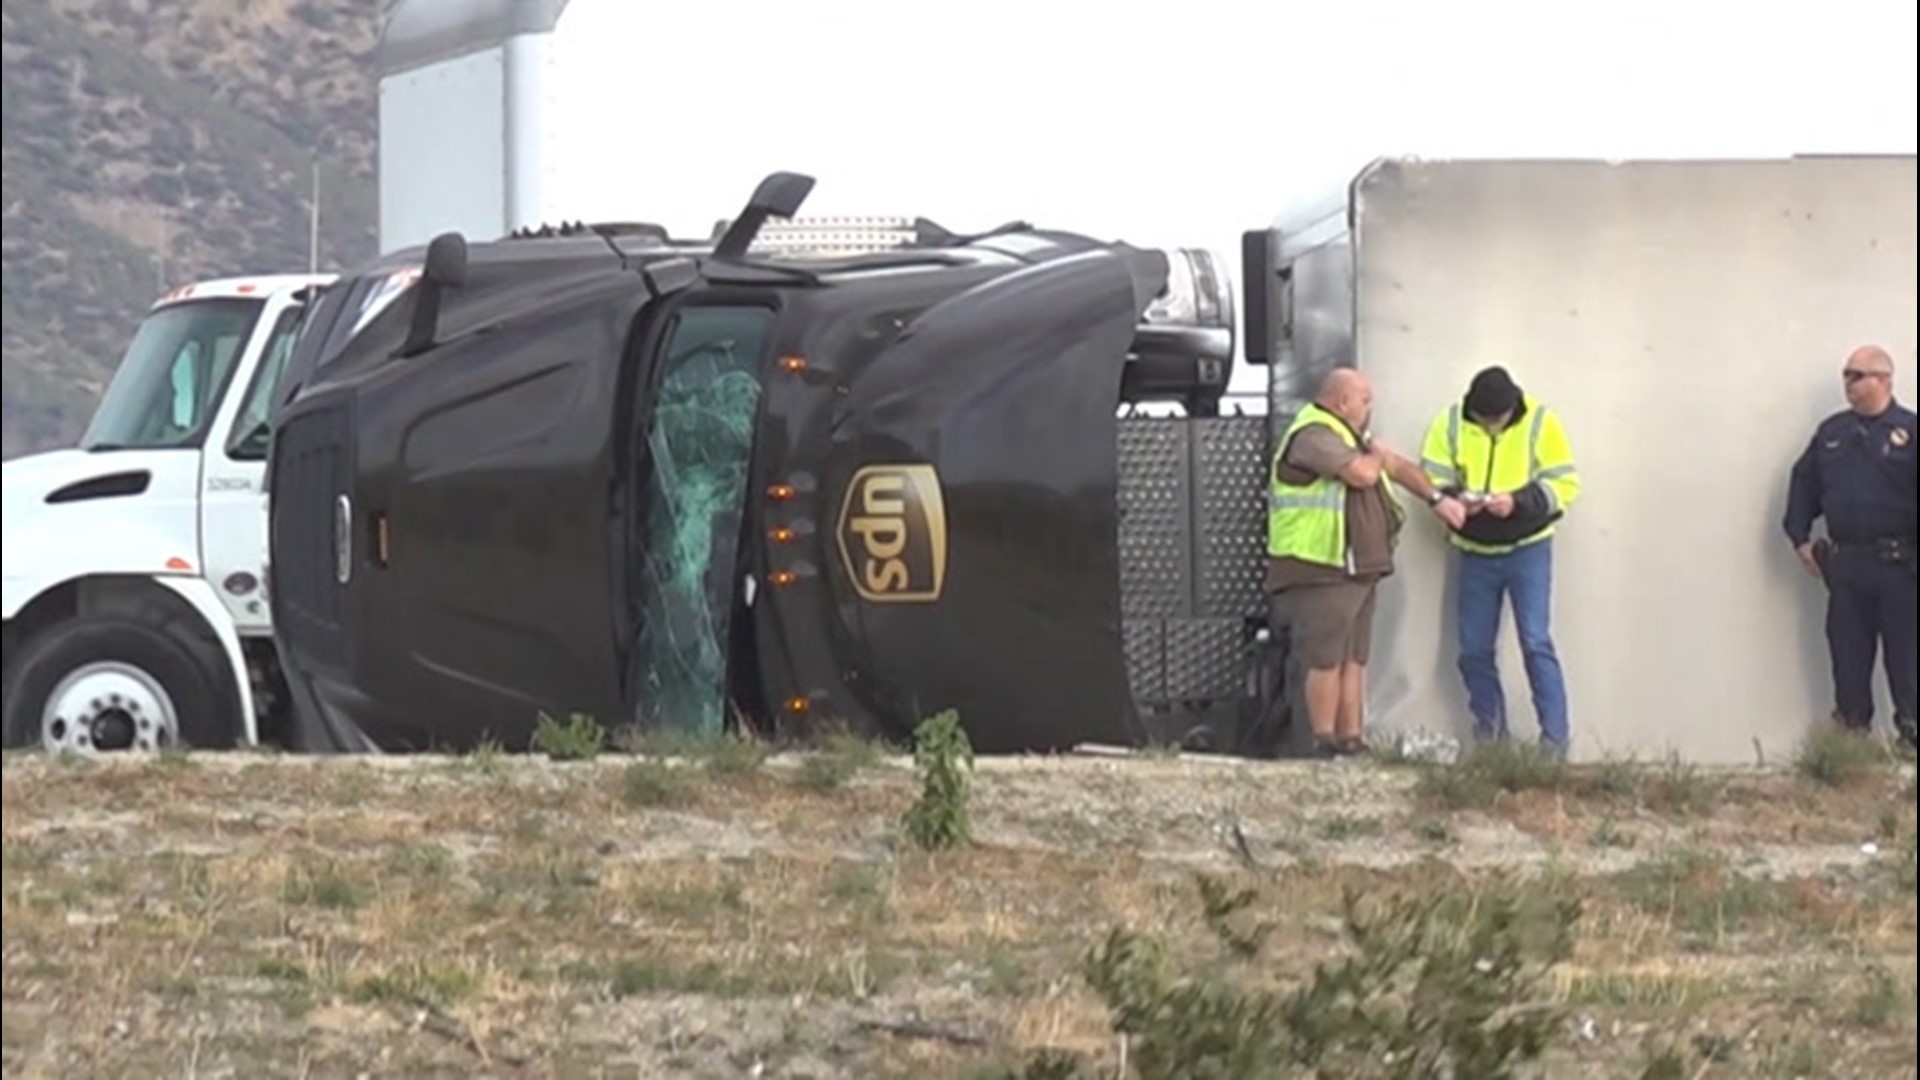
{"type": "Point", "coordinates": [172, 377]}
{"type": "Point", "coordinates": [251, 430]}
{"type": "Point", "coordinates": [700, 445]}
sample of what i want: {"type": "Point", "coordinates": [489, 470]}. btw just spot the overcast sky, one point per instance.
{"type": "Point", "coordinates": [1187, 121]}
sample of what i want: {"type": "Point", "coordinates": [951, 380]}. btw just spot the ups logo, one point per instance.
{"type": "Point", "coordinates": [893, 534]}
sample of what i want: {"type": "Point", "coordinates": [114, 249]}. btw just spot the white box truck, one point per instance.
{"type": "Point", "coordinates": [134, 563]}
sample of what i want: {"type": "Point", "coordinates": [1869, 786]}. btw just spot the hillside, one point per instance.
{"type": "Point", "coordinates": [150, 144]}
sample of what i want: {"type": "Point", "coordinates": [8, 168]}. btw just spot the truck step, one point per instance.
{"type": "Point", "coordinates": [1192, 553]}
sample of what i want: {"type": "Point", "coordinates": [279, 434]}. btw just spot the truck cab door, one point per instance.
{"type": "Point", "coordinates": [233, 544]}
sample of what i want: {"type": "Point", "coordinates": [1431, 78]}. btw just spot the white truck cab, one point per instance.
{"type": "Point", "coordinates": [134, 563]}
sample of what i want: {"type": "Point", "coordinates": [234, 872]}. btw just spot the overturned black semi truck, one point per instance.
{"type": "Point", "coordinates": [681, 485]}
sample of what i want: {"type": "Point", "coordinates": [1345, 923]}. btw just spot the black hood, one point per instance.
{"type": "Point", "coordinates": [975, 521]}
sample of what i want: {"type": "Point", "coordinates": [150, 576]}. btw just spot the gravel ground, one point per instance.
{"type": "Point", "coordinates": [241, 915]}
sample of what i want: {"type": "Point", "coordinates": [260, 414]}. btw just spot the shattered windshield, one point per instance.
{"type": "Point", "coordinates": [171, 379]}
{"type": "Point", "coordinates": [700, 447]}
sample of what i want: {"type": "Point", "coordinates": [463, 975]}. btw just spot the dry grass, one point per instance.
{"type": "Point", "coordinates": [497, 916]}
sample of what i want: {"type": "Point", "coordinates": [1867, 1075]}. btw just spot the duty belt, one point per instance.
{"type": "Point", "coordinates": [1893, 549]}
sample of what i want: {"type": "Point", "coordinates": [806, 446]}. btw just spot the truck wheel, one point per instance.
{"type": "Point", "coordinates": [96, 685]}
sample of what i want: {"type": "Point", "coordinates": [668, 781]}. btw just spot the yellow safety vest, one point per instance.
{"type": "Point", "coordinates": [1309, 521]}
{"type": "Point", "coordinates": [1461, 454]}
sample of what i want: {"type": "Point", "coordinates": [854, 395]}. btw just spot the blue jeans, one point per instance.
{"type": "Point", "coordinates": [1525, 575]}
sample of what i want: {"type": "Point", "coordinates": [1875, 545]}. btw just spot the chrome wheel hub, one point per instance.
{"type": "Point", "coordinates": [108, 707]}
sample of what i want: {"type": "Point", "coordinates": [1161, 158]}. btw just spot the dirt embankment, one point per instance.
{"type": "Point", "coordinates": [247, 917]}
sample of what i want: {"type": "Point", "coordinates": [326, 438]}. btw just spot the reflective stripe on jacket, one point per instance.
{"type": "Point", "coordinates": [1531, 458]}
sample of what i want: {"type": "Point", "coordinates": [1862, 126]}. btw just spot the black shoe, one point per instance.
{"type": "Point", "coordinates": [1491, 733]}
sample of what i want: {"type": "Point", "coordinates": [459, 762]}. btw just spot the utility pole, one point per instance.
{"type": "Point", "coordinates": [160, 258]}
{"type": "Point", "coordinates": [313, 223]}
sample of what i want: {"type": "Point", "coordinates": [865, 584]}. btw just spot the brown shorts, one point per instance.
{"type": "Point", "coordinates": [1330, 624]}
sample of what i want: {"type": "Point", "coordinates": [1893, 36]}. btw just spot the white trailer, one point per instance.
{"type": "Point", "coordinates": [134, 562]}
{"type": "Point", "coordinates": [1689, 321]}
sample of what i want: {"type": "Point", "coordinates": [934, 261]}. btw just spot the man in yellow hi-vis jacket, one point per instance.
{"type": "Point", "coordinates": [1333, 523]}
{"type": "Point", "coordinates": [1506, 456]}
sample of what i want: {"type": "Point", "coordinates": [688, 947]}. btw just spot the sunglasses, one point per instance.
{"type": "Point", "coordinates": [1854, 375]}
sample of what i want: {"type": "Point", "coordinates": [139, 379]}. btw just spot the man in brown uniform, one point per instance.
{"type": "Point", "coordinates": [1331, 499]}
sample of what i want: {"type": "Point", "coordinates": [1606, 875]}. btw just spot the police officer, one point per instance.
{"type": "Point", "coordinates": [1858, 473]}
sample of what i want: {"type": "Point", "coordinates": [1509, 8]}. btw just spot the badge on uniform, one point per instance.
{"type": "Point", "coordinates": [1898, 436]}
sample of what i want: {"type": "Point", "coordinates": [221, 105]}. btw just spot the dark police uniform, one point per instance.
{"type": "Point", "coordinates": [1859, 474]}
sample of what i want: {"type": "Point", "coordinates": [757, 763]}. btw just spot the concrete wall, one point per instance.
{"type": "Point", "coordinates": [1689, 321]}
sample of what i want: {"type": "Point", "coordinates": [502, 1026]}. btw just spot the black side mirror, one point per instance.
{"type": "Point", "coordinates": [446, 267]}
{"type": "Point", "coordinates": [1256, 286]}
{"type": "Point", "coordinates": [447, 259]}
{"type": "Point", "coordinates": [779, 195]}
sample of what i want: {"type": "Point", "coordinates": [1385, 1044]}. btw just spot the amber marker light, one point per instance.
{"type": "Point", "coordinates": [780, 492]}
{"type": "Point", "coordinates": [783, 578]}
{"type": "Point", "coordinates": [782, 535]}
{"type": "Point", "coordinates": [793, 365]}
{"type": "Point", "coordinates": [798, 705]}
